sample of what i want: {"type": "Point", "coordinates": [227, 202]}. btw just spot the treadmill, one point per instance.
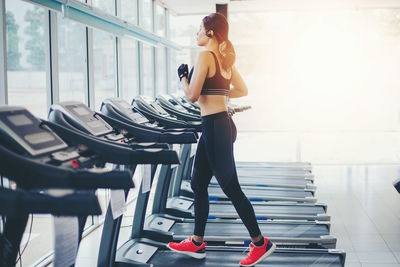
{"type": "Point", "coordinates": [173, 107]}
{"type": "Point", "coordinates": [142, 250]}
{"type": "Point", "coordinates": [78, 115]}
{"type": "Point", "coordinates": [154, 112]}
{"type": "Point", "coordinates": [50, 161]}
{"type": "Point", "coordinates": [162, 226]}
{"type": "Point", "coordinates": [183, 207]}
{"type": "Point", "coordinates": [185, 104]}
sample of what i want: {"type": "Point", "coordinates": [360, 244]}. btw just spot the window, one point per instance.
{"type": "Point", "coordinates": [129, 71]}
{"type": "Point", "coordinates": [147, 70]}
{"type": "Point", "coordinates": [72, 60]}
{"type": "Point", "coordinates": [105, 5]}
{"type": "Point", "coordinates": [146, 15]}
{"type": "Point", "coordinates": [26, 56]}
{"type": "Point", "coordinates": [104, 66]}
{"type": "Point", "coordinates": [161, 70]}
{"type": "Point", "coordinates": [173, 80]}
{"type": "Point", "coordinates": [129, 11]}
{"type": "Point", "coordinates": [160, 20]}
{"type": "Point", "coordinates": [183, 31]}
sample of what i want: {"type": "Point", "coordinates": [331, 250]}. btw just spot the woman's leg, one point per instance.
{"type": "Point", "coordinates": [223, 164]}
{"type": "Point", "coordinates": [201, 177]}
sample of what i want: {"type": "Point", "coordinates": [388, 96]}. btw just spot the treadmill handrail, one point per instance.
{"type": "Point", "coordinates": [29, 173]}
{"type": "Point", "coordinates": [170, 108]}
{"type": "Point", "coordinates": [168, 136]}
{"type": "Point", "coordinates": [145, 135]}
{"type": "Point", "coordinates": [121, 117]}
{"type": "Point", "coordinates": [19, 201]}
{"type": "Point", "coordinates": [112, 152]}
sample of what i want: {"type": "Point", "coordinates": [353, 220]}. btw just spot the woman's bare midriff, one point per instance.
{"type": "Point", "coordinates": [210, 104]}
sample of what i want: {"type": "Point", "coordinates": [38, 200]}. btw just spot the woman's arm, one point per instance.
{"type": "Point", "coordinates": [193, 90]}
{"type": "Point", "coordinates": [239, 88]}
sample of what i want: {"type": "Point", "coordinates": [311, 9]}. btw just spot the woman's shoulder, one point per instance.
{"type": "Point", "coordinates": [205, 54]}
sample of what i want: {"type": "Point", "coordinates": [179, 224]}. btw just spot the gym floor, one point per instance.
{"type": "Point", "coordinates": [363, 205]}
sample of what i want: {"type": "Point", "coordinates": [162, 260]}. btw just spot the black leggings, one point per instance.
{"type": "Point", "coordinates": [214, 156]}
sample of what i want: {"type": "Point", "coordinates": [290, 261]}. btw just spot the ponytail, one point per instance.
{"type": "Point", "coordinates": [228, 54]}
{"type": "Point", "coordinates": [219, 25]}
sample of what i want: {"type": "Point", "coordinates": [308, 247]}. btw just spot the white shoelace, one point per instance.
{"type": "Point", "coordinates": [247, 249]}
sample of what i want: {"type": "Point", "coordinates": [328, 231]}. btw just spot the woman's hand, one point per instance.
{"type": "Point", "coordinates": [183, 71]}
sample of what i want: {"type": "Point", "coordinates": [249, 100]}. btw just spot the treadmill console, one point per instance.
{"type": "Point", "coordinates": [25, 130]}
{"type": "Point", "coordinates": [172, 102]}
{"type": "Point", "coordinates": [85, 119]}
{"type": "Point", "coordinates": [127, 110]}
{"type": "Point", "coordinates": [155, 106]}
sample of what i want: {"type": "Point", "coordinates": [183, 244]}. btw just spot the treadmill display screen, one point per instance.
{"type": "Point", "coordinates": [28, 131]}
{"type": "Point", "coordinates": [136, 117]}
{"type": "Point", "coordinates": [158, 108]}
{"type": "Point", "coordinates": [125, 105]}
{"type": "Point", "coordinates": [19, 120]}
{"type": "Point", "coordinates": [86, 118]}
{"type": "Point", "coordinates": [81, 111]}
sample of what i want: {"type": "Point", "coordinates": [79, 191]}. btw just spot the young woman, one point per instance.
{"type": "Point", "coordinates": [210, 86]}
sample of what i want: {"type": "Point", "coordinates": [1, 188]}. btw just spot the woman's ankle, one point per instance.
{"type": "Point", "coordinates": [198, 239]}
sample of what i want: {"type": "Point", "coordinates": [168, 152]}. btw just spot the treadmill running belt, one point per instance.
{"type": "Point", "coordinates": [259, 193]}
{"type": "Point", "coordinates": [237, 231]}
{"type": "Point", "coordinates": [224, 258]}
{"type": "Point", "coordinates": [275, 175]}
{"type": "Point", "coordinates": [268, 180]}
{"type": "Point", "coordinates": [261, 209]}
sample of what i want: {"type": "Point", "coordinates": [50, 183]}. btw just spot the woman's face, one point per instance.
{"type": "Point", "coordinates": [201, 36]}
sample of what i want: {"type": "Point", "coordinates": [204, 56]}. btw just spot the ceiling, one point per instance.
{"type": "Point", "coordinates": [187, 7]}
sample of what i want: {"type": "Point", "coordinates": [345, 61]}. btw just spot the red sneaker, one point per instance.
{"type": "Point", "coordinates": [257, 254]}
{"type": "Point", "coordinates": [187, 247]}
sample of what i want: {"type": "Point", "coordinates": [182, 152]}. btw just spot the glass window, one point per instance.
{"type": "Point", "coordinates": [147, 70]}
{"type": "Point", "coordinates": [104, 66]}
{"type": "Point", "coordinates": [129, 71]}
{"type": "Point", "coordinates": [183, 29]}
{"type": "Point", "coordinates": [160, 20]}
{"type": "Point", "coordinates": [173, 79]}
{"type": "Point", "coordinates": [161, 70]}
{"type": "Point", "coordinates": [26, 56]}
{"type": "Point", "coordinates": [105, 5]}
{"type": "Point", "coordinates": [72, 60]}
{"type": "Point", "coordinates": [146, 15]}
{"type": "Point", "coordinates": [129, 11]}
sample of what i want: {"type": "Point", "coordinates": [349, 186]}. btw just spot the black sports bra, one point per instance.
{"type": "Point", "coordinates": [216, 85]}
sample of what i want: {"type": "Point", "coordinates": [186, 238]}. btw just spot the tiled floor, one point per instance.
{"type": "Point", "coordinates": [365, 212]}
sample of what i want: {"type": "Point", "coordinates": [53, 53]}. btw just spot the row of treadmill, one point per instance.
{"type": "Point", "coordinates": [71, 149]}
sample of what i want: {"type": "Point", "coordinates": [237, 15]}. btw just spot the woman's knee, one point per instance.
{"type": "Point", "coordinates": [233, 191]}
{"type": "Point", "coordinates": [197, 185]}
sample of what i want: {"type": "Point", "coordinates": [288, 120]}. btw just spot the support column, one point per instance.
{"type": "Point", "coordinates": [222, 8]}
{"type": "Point", "coordinates": [3, 55]}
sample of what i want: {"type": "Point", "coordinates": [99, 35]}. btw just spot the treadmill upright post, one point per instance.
{"type": "Point", "coordinates": [141, 206]}
{"type": "Point", "coordinates": [184, 157]}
